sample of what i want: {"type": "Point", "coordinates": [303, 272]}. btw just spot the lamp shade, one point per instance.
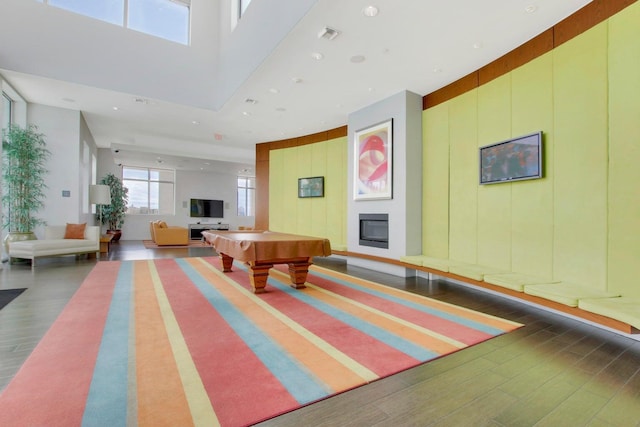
{"type": "Point", "coordinates": [99, 195]}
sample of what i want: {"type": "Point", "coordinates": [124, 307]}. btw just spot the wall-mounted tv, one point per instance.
{"type": "Point", "coordinates": [204, 208]}
{"type": "Point", "coordinates": [513, 160]}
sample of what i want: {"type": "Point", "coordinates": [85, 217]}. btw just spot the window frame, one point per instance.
{"type": "Point", "coordinates": [126, 14]}
{"type": "Point", "coordinates": [248, 181]}
{"type": "Point", "coordinates": [148, 182]}
{"type": "Point", "coordinates": [7, 110]}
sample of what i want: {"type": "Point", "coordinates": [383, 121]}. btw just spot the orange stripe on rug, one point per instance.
{"type": "Point", "coordinates": [484, 318]}
{"type": "Point", "coordinates": [158, 381]}
{"type": "Point", "coordinates": [318, 357]}
{"type": "Point", "coordinates": [421, 336]}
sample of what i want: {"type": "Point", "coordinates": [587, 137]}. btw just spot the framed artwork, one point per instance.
{"type": "Point", "coordinates": [373, 168]}
{"type": "Point", "coordinates": [311, 187]}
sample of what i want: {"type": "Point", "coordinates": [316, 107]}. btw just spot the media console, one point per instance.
{"type": "Point", "coordinates": [196, 229]}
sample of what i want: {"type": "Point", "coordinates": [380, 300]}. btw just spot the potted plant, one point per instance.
{"type": "Point", "coordinates": [24, 154]}
{"type": "Point", "coordinates": [113, 215]}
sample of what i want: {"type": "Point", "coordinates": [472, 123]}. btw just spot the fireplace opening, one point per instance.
{"type": "Point", "coordinates": [374, 230]}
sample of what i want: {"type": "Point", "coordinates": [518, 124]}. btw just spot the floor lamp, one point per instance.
{"type": "Point", "coordinates": [100, 195]}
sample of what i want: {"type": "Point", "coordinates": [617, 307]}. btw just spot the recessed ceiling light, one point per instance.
{"type": "Point", "coordinates": [246, 113]}
{"type": "Point", "coordinates": [437, 70]}
{"type": "Point", "coordinates": [531, 9]}
{"type": "Point", "coordinates": [317, 56]}
{"type": "Point", "coordinates": [356, 59]}
{"type": "Point", "coordinates": [274, 90]}
{"type": "Point", "coordinates": [370, 11]}
{"type": "Point", "coordinates": [195, 122]}
{"type": "Point", "coordinates": [477, 45]}
{"type": "Point", "coordinates": [115, 108]}
{"type": "Point", "coordinates": [296, 80]}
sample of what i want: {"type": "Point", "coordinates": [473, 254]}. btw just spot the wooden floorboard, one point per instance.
{"type": "Point", "coordinates": [554, 371]}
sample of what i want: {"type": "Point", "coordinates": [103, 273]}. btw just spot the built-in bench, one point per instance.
{"type": "Point", "coordinates": [604, 308]}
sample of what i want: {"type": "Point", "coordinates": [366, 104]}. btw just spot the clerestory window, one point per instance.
{"type": "Point", "coordinates": [167, 19]}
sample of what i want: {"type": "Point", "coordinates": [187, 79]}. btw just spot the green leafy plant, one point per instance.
{"type": "Point", "coordinates": [113, 215]}
{"type": "Point", "coordinates": [24, 154]}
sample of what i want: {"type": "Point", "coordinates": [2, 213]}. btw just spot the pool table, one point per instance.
{"type": "Point", "coordinates": [260, 250]}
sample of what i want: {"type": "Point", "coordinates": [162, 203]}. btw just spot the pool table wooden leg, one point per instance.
{"type": "Point", "coordinates": [227, 262]}
{"type": "Point", "coordinates": [298, 273]}
{"type": "Point", "coordinates": [259, 274]}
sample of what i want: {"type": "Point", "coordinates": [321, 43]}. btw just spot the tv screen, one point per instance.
{"type": "Point", "coordinates": [512, 160]}
{"type": "Point", "coordinates": [203, 208]}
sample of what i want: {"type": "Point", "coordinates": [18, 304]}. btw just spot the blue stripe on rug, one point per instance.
{"type": "Point", "coordinates": [390, 339]}
{"type": "Point", "coordinates": [107, 399]}
{"type": "Point", "coordinates": [300, 383]}
{"type": "Point", "coordinates": [429, 310]}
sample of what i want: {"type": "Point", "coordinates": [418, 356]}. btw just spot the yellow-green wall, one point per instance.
{"type": "Point", "coordinates": [318, 216]}
{"type": "Point", "coordinates": [581, 222]}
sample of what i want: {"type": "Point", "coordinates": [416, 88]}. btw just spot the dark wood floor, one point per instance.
{"type": "Point", "coordinates": [552, 372]}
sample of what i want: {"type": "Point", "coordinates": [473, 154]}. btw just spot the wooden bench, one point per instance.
{"type": "Point", "coordinates": [603, 308]}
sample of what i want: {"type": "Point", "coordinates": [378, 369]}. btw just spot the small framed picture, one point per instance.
{"type": "Point", "coordinates": [311, 187]}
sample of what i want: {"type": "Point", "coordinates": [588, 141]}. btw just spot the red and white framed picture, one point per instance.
{"type": "Point", "coordinates": [373, 168]}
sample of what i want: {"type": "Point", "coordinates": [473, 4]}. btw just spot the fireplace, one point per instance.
{"type": "Point", "coordinates": [374, 230]}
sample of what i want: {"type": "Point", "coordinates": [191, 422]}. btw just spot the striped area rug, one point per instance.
{"type": "Point", "coordinates": [175, 342]}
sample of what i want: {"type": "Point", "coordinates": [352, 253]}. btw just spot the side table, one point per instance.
{"type": "Point", "coordinates": [105, 242]}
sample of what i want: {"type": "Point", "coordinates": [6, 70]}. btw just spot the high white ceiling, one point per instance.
{"type": "Point", "coordinates": [184, 106]}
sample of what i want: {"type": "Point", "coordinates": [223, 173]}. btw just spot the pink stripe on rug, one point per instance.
{"type": "Point", "coordinates": [223, 360]}
{"type": "Point", "coordinates": [437, 324]}
{"type": "Point", "coordinates": [55, 379]}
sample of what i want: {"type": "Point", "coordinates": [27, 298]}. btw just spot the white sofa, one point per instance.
{"type": "Point", "coordinates": [54, 244]}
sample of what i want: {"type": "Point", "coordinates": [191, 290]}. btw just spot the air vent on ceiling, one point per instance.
{"type": "Point", "coordinates": [328, 33]}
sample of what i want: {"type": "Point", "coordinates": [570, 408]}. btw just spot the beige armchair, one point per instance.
{"type": "Point", "coordinates": [163, 234]}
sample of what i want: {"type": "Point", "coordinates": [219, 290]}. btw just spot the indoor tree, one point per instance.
{"type": "Point", "coordinates": [24, 154]}
{"type": "Point", "coordinates": [113, 214]}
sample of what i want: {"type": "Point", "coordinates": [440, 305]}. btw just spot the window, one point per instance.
{"type": "Point", "coordinates": [7, 110]}
{"type": "Point", "coordinates": [151, 191]}
{"type": "Point", "coordinates": [246, 196]}
{"type": "Point", "coordinates": [167, 19]}
{"type": "Point", "coordinates": [242, 5]}
{"type": "Point", "coordinates": [161, 18]}
{"type": "Point", "coordinates": [111, 11]}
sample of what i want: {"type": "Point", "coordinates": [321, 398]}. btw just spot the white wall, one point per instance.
{"type": "Point", "coordinates": [198, 185]}
{"type": "Point", "coordinates": [61, 129]}
{"type": "Point", "coordinates": [405, 208]}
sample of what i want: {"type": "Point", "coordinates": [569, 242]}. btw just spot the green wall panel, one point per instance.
{"type": "Point", "coordinates": [304, 208]}
{"type": "Point", "coordinates": [494, 201]}
{"type": "Point", "coordinates": [580, 153]}
{"type": "Point", "coordinates": [435, 171]}
{"type": "Point", "coordinates": [276, 198]}
{"type": "Point", "coordinates": [624, 152]}
{"type": "Point", "coordinates": [532, 201]}
{"type": "Point", "coordinates": [336, 191]}
{"type": "Point", "coordinates": [316, 216]}
{"type": "Point", "coordinates": [318, 205]}
{"type": "Point", "coordinates": [463, 190]}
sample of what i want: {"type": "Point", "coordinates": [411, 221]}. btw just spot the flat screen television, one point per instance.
{"type": "Point", "coordinates": [515, 159]}
{"type": "Point", "coordinates": [204, 208]}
